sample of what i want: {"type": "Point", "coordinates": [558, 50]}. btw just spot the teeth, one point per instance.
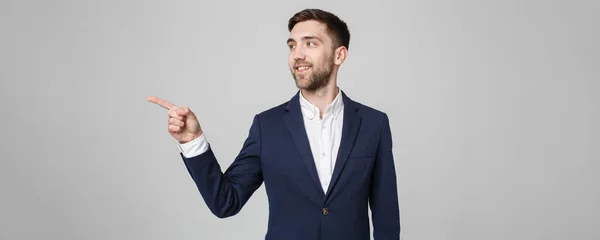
{"type": "Point", "coordinates": [303, 68]}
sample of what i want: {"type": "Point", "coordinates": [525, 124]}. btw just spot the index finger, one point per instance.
{"type": "Point", "coordinates": [163, 103]}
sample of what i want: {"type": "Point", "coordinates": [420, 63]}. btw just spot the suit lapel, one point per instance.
{"type": "Point", "coordinates": [295, 124]}
{"type": "Point", "coordinates": [350, 128]}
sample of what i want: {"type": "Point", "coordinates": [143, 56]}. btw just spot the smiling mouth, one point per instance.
{"type": "Point", "coordinates": [302, 69]}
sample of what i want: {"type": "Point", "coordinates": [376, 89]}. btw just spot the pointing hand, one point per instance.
{"type": "Point", "coordinates": [183, 124]}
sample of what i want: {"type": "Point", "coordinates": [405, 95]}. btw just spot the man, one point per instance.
{"type": "Point", "coordinates": [323, 157]}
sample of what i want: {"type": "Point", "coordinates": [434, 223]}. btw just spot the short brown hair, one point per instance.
{"type": "Point", "coordinates": [338, 30]}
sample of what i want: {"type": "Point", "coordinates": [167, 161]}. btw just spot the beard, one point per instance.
{"type": "Point", "coordinates": [318, 76]}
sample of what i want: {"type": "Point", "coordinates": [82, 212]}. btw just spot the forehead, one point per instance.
{"type": "Point", "coordinates": [309, 28]}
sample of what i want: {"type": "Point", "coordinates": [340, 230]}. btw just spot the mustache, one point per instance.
{"type": "Point", "coordinates": [302, 63]}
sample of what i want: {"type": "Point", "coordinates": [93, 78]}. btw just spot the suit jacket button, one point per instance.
{"type": "Point", "coordinates": [325, 211]}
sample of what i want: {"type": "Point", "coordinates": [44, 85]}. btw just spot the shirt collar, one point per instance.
{"type": "Point", "coordinates": [311, 111]}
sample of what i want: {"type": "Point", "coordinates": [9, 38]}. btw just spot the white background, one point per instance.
{"type": "Point", "coordinates": [494, 110]}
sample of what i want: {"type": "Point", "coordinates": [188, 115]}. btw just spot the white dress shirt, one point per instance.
{"type": "Point", "coordinates": [324, 136]}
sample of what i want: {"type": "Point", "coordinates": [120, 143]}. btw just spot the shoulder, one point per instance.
{"type": "Point", "coordinates": [270, 117]}
{"type": "Point", "coordinates": [367, 113]}
{"type": "Point", "coordinates": [373, 120]}
{"type": "Point", "coordinates": [275, 112]}
{"type": "Point", "coordinates": [367, 110]}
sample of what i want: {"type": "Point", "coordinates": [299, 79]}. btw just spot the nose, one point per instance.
{"type": "Point", "coordinates": [298, 53]}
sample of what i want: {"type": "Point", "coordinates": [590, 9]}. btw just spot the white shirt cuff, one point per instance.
{"type": "Point", "coordinates": [195, 147]}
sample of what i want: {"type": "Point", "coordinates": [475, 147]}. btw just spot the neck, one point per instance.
{"type": "Point", "coordinates": [321, 97]}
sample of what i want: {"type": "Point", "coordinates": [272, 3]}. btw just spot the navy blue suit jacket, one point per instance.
{"type": "Point", "coordinates": [277, 152]}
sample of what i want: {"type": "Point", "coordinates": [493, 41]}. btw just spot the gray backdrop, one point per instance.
{"type": "Point", "coordinates": [494, 110]}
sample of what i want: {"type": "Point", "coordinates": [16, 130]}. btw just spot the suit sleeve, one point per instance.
{"type": "Point", "coordinates": [225, 193]}
{"type": "Point", "coordinates": [384, 195]}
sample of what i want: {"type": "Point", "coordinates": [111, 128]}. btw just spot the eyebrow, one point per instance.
{"type": "Point", "coordinates": [304, 38]}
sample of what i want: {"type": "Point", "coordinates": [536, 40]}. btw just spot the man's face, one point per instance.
{"type": "Point", "coordinates": [311, 58]}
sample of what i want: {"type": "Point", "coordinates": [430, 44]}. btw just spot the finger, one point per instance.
{"type": "Point", "coordinates": [173, 114]}
{"type": "Point", "coordinates": [176, 122]}
{"type": "Point", "coordinates": [185, 111]}
{"type": "Point", "coordinates": [174, 129]}
{"type": "Point", "coordinates": [161, 102]}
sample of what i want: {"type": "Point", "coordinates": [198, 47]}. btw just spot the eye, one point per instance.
{"type": "Point", "coordinates": [311, 44]}
{"type": "Point", "coordinates": [291, 46]}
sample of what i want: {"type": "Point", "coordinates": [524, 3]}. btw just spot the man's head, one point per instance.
{"type": "Point", "coordinates": [318, 44]}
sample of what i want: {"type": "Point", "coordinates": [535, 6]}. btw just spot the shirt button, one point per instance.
{"type": "Point", "coordinates": [325, 211]}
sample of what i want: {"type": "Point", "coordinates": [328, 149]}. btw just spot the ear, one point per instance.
{"type": "Point", "coordinates": [341, 53]}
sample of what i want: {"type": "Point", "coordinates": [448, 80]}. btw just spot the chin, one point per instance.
{"type": "Point", "coordinates": [303, 84]}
